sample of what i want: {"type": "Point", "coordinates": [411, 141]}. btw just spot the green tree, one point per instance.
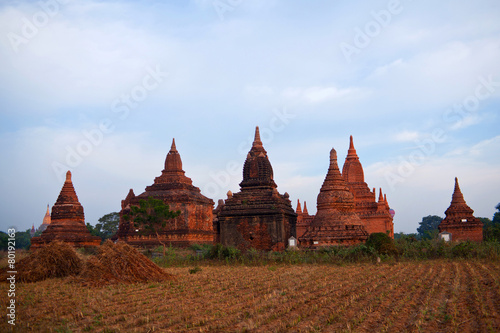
{"type": "Point", "coordinates": [23, 239]}
{"type": "Point", "coordinates": [496, 216]}
{"type": "Point", "coordinates": [491, 228]}
{"type": "Point", "coordinates": [428, 228]}
{"type": "Point", "coordinates": [94, 231]}
{"type": "Point", "coordinates": [3, 241]}
{"type": "Point", "coordinates": [151, 217]}
{"type": "Point", "coordinates": [108, 225]}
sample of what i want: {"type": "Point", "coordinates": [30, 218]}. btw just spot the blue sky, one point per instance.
{"type": "Point", "coordinates": [102, 87]}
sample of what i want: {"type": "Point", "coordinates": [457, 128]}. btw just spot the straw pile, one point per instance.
{"type": "Point", "coordinates": [120, 263]}
{"type": "Point", "coordinates": [57, 259]}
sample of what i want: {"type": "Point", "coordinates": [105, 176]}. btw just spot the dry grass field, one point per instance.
{"type": "Point", "coordinates": [425, 296]}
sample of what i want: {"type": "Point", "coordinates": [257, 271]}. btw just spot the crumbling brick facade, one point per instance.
{"type": "Point", "coordinates": [257, 216]}
{"type": "Point", "coordinates": [336, 222]}
{"type": "Point", "coordinates": [375, 215]}
{"type": "Point", "coordinates": [67, 221]}
{"type": "Point", "coordinates": [193, 225]}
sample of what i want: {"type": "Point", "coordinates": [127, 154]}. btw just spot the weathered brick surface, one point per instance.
{"type": "Point", "coordinates": [193, 225]}
{"type": "Point", "coordinates": [67, 221]}
{"type": "Point", "coordinates": [375, 214]}
{"type": "Point", "coordinates": [336, 222]}
{"type": "Point", "coordinates": [303, 219]}
{"type": "Point", "coordinates": [460, 221]}
{"type": "Point", "coordinates": [257, 216]}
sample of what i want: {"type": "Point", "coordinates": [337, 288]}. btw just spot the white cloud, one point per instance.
{"type": "Point", "coordinates": [316, 94]}
{"type": "Point", "coordinates": [406, 136]}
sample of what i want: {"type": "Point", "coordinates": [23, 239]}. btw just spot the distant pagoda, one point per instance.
{"type": "Point", "coordinates": [258, 216]}
{"type": "Point", "coordinates": [46, 221]}
{"type": "Point", "coordinates": [193, 225]}
{"type": "Point", "coordinates": [67, 221]}
{"type": "Point", "coordinates": [460, 221]}
{"type": "Point", "coordinates": [336, 221]}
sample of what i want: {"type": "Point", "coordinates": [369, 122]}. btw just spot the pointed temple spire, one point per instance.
{"type": "Point", "coordinates": [173, 168]}
{"type": "Point", "coordinates": [352, 170]}
{"type": "Point", "coordinates": [173, 162]}
{"type": "Point", "coordinates": [333, 179]}
{"type": "Point", "coordinates": [257, 142]}
{"type": "Point", "coordinates": [257, 170]}
{"type": "Point", "coordinates": [299, 209]}
{"type": "Point", "coordinates": [380, 196]}
{"type": "Point", "coordinates": [351, 153]}
{"type": "Point", "coordinates": [457, 197]}
{"type": "Point", "coordinates": [68, 194]}
{"type": "Point", "coordinates": [305, 209]}
{"type": "Point", "coordinates": [46, 218]}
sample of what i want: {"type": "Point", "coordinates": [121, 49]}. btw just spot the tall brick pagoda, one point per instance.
{"type": "Point", "coordinates": [336, 221]}
{"type": "Point", "coordinates": [193, 225]}
{"type": "Point", "coordinates": [67, 221]}
{"type": "Point", "coordinates": [258, 216]}
{"type": "Point", "coordinates": [460, 221]}
{"type": "Point", "coordinates": [375, 214]}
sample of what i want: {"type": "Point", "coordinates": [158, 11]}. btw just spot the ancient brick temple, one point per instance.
{"type": "Point", "coordinates": [193, 225]}
{"type": "Point", "coordinates": [336, 221]}
{"type": "Point", "coordinates": [460, 221]}
{"type": "Point", "coordinates": [258, 216]}
{"type": "Point", "coordinates": [67, 221]}
{"type": "Point", "coordinates": [374, 214]}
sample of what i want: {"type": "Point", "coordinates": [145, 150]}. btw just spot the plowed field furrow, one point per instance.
{"type": "Point", "coordinates": [437, 296]}
{"type": "Point", "coordinates": [486, 298]}
{"type": "Point", "coordinates": [389, 310]}
{"type": "Point", "coordinates": [358, 313]}
{"type": "Point", "coordinates": [316, 312]}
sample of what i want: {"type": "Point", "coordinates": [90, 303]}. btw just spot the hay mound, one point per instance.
{"type": "Point", "coordinates": [57, 259]}
{"type": "Point", "coordinates": [120, 263]}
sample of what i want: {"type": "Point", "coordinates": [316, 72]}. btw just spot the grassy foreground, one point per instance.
{"type": "Point", "coordinates": [428, 296]}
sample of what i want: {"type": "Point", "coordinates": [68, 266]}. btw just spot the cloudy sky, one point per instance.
{"type": "Point", "coordinates": [101, 88]}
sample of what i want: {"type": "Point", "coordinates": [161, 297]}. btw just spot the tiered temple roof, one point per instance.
{"type": "Point", "coordinates": [336, 222]}
{"type": "Point", "coordinates": [257, 216]}
{"type": "Point", "coordinates": [375, 214]}
{"type": "Point", "coordinates": [67, 221]}
{"type": "Point", "coordinates": [193, 225]}
{"type": "Point", "coordinates": [459, 220]}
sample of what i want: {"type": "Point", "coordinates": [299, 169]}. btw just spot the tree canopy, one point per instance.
{"type": "Point", "coordinates": [429, 226]}
{"type": "Point", "coordinates": [491, 228]}
{"type": "Point", "coordinates": [107, 226]}
{"type": "Point", "coordinates": [151, 217]}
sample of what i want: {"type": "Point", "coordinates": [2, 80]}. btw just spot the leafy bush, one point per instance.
{"type": "Point", "coordinates": [382, 243]}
